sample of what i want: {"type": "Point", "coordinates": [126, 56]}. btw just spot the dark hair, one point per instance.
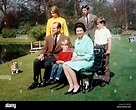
{"type": "Point", "coordinates": [81, 25]}
{"type": "Point", "coordinates": [85, 6]}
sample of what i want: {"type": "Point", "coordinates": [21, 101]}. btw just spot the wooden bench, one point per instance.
{"type": "Point", "coordinates": [35, 46]}
{"type": "Point", "coordinates": [96, 72]}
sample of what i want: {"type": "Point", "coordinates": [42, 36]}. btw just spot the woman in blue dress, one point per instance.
{"type": "Point", "coordinates": [83, 57]}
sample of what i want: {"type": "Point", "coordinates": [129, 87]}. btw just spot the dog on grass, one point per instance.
{"type": "Point", "coordinates": [14, 67]}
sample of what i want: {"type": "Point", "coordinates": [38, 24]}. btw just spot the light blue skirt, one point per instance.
{"type": "Point", "coordinates": [77, 65]}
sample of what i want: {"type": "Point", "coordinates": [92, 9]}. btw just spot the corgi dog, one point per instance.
{"type": "Point", "coordinates": [14, 67]}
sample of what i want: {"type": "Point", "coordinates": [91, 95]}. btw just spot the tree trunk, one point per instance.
{"type": "Point", "coordinates": [75, 9]}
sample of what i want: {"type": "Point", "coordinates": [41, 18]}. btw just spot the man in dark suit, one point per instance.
{"type": "Point", "coordinates": [48, 55]}
{"type": "Point", "coordinates": [89, 21]}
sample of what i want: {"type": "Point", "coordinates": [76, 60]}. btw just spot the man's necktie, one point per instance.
{"type": "Point", "coordinates": [55, 42]}
{"type": "Point", "coordinates": [86, 20]}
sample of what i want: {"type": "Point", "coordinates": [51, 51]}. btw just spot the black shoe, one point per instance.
{"type": "Point", "coordinates": [107, 82]}
{"type": "Point", "coordinates": [55, 81]}
{"type": "Point", "coordinates": [43, 84]}
{"type": "Point", "coordinates": [32, 86]}
{"type": "Point", "coordinates": [49, 81]}
{"type": "Point", "coordinates": [73, 93]}
{"type": "Point", "coordinates": [68, 92]}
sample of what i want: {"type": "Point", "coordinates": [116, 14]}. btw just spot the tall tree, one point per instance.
{"type": "Point", "coordinates": [3, 6]}
{"type": "Point", "coordinates": [76, 9]}
{"type": "Point", "coordinates": [124, 12]}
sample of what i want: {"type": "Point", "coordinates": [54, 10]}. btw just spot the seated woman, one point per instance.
{"type": "Point", "coordinates": [83, 57]}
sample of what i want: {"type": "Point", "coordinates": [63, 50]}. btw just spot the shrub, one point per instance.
{"type": "Point", "coordinates": [116, 30]}
{"type": "Point", "coordinates": [38, 32]}
{"type": "Point", "coordinates": [9, 33]}
{"type": "Point", "coordinates": [22, 30]}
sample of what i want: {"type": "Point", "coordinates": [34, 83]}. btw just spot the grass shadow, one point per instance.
{"type": "Point", "coordinates": [20, 71]}
{"type": "Point", "coordinates": [59, 86]}
{"type": "Point", "coordinates": [101, 83]}
{"type": "Point", "coordinates": [112, 74]}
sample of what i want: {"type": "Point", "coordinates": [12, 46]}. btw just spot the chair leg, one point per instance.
{"type": "Point", "coordinates": [90, 87]}
{"type": "Point", "coordinates": [40, 77]}
{"type": "Point", "coordinates": [82, 82]}
{"type": "Point", "coordinates": [82, 85]}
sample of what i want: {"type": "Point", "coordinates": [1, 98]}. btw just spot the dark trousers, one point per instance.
{"type": "Point", "coordinates": [45, 64]}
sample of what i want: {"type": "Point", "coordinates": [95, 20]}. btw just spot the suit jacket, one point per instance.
{"type": "Point", "coordinates": [49, 42]}
{"type": "Point", "coordinates": [91, 21]}
{"type": "Point", "coordinates": [91, 24]}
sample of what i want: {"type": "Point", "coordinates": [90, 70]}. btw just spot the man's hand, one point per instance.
{"type": "Point", "coordinates": [41, 57]}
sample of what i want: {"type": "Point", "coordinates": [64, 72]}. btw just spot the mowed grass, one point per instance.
{"type": "Point", "coordinates": [121, 88]}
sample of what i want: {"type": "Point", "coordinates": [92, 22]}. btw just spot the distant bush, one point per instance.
{"type": "Point", "coordinates": [9, 33]}
{"type": "Point", "coordinates": [23, 29]}
{"type": "Point", "coordinates": [70, 24]}
{"type": "Point", "coordinates": [38, 32]}
{"type": "Point", "coordinates": [116, 30]}
{"type": "Point", "coordinates": [12, 33]}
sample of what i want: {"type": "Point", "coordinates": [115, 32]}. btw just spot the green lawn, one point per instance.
{"type": "Point", "coordinates": [121, 88]}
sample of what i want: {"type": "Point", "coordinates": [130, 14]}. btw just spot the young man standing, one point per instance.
{"type": "Point", "coordinates": [89, 20]}
{"type": "Point", "coordinates": [103, 37]}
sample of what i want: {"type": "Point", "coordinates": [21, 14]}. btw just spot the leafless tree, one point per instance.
{"type": "Point", "coordinates": [123, 11]}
